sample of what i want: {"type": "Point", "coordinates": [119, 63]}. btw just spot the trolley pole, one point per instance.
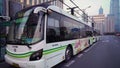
{"type": "Point", "coordinates": [72, 10]}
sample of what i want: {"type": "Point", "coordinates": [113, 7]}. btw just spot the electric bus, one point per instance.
{"type": "Point", "coordinates": [44, 35]}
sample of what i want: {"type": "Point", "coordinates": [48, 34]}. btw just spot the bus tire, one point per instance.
{"type": "Point", "coordinates": [68, 54]}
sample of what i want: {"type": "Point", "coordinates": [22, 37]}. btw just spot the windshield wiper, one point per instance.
{"type": "Point", "coordinates": [28, 46]}
{"type": "Point", "coordinates": [24, 41]}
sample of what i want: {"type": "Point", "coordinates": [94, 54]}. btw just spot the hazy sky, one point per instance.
{"type": "Point", "coordinates": [95, 5]}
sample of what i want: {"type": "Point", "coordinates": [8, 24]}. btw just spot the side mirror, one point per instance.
{"type": "Point", "coordinates": [49, 11]}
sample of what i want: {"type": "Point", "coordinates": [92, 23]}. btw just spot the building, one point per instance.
{"type": "Point", "coordinates": [101, 10]}
{"type": "Point", "coordinates": [109, 25]}
{"type": "Point", "coordinates": [13, 8]}
{"type": "Point", "coordinates": [99, 23]}
{"type": "Point", "coordinates": [2, 7]}
{"type": "Point", "coordinates": [27, 3]}
{"type": "Point", "coordinates": [16, 5]}
{"type": "Point", "coordinates": [115, 10]}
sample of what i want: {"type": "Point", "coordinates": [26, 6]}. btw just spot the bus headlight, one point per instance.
{"type": "Point", "coordinates": [36, 55]}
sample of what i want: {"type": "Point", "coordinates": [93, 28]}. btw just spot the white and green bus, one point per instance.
{"type": "Point", "coordinates": [42, 36]}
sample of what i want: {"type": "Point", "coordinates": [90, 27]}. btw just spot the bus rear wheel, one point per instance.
{"type": "Point", "coordinates": [68, 54]}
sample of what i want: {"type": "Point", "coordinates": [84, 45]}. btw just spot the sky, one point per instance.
{"type": "Point", "coordinates": [95, 5]}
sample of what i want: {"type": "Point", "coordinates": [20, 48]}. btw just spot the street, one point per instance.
{"type": "Point", "coordinates": [102, 54]}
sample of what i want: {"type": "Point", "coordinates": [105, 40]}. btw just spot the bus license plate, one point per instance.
{"type": "Point", "coordinates": [16, 65]}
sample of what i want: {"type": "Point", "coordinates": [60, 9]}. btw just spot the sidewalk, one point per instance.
{"type": "Point", "coordinates": [5, 65]}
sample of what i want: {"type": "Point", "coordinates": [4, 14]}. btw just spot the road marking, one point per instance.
{"type": "Point", "coordinates": [94, 44]}
{"type": "Point", "coordinates": [106, 41]}
{"type": "Point", "coordinates": [80, 55]}
{"type": "Point", "coordinates": [87, 50]}
{"type": "Point", "coordinates": [70, 63]}
{"type": "Point", "coordinates": [90, 47]}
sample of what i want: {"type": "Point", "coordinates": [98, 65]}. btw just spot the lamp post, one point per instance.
{"type": "Point", "coordinates": [84, 15]}
{"type": "Point", "coordinates": [86, 8]}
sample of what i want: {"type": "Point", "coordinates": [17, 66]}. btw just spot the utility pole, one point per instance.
{"type": "Point", "coordinates": [84, 15]}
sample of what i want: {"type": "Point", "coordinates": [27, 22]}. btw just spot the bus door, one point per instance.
{"type": "Point", "coordinates": [52, 50]}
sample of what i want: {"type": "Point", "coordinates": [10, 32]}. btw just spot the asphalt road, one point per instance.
{"type": "Point", "coordinates": [102, 54]}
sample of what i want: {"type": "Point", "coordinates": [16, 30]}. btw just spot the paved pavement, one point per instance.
{"type": "Point", "coordinates": [5, 65]}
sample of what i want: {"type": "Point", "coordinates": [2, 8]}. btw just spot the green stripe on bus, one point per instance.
{"type": "Point", "coordinates": [19, 55]}
{"type": "Point", "coordinates": [53, 50]}
{"type": "Point", "coordinates": [45, 52]}
{"type": "Point", "coordinates": [22, 53]}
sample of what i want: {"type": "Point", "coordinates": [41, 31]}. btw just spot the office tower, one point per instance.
{"type": "Point", "coordinates": [101, 10]}
{"type": "Point", "coordinates": [99, 22]}
{"type": "Point", "coordinates": [115, 11]}
{"type": "Point", "coordinates": [2, 6]}
{"type": "Point", "coordinates": [109, 25]}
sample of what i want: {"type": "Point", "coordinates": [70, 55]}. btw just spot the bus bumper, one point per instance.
{"type": "Point", "coordinates": [25, 64]}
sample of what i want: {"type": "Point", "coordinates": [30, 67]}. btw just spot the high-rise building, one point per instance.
{"type": "Point", "coordinates": [115, 11]}
{"type": "Point", "coordinates": [99, 22]}
{"type": "Point", "coordinates": [27, 3]}
{"type": "Point", "coordinates": [101, 10]}
{"type": "Point", "coordinates": [2, 7]}
{"type": "Point", "coordinates": [16, 5]}
{"type": "Point", "coordinates": [109, 25]}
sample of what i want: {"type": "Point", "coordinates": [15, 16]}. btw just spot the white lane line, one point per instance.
{"type": "Point", "coordinates": [87, 50]}
{"type": "Point", "coordinates": [94, 44]}
{"type": "Point", "coordinates": [106, 41]}
{"type": "Point", "coordinates": [70, 63]}
{"type": "Point", "coordinates": [80, 55]}
{"type": "Point", "coordinates": [90, 47]}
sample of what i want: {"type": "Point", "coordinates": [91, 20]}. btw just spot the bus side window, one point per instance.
{"type": "Point", "coordinates": [88, 33]}
{"type": "Point", "coordinates": [51, 35]}
{"type": "Point", "coordinates": [63, 33]}
{"type": "Point", "coordinates": [53, 28]}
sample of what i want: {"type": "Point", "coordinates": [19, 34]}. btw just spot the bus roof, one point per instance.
{"type": "Point", "coordinates": [57, 9]}
{"type": "Point", "coordinates": [61, 11]}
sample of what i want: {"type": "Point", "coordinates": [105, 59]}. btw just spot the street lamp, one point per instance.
{"type": "Point", "coordinates": [84, 15]}
{"type": "Point", "coordinates": [86, 8]}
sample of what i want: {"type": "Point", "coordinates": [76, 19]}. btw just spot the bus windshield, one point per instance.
{"type": "Point", "coordinates": [27, 28]}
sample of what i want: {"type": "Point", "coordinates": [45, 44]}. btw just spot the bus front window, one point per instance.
{"type": "Point", "coordinates": [27, 28]}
